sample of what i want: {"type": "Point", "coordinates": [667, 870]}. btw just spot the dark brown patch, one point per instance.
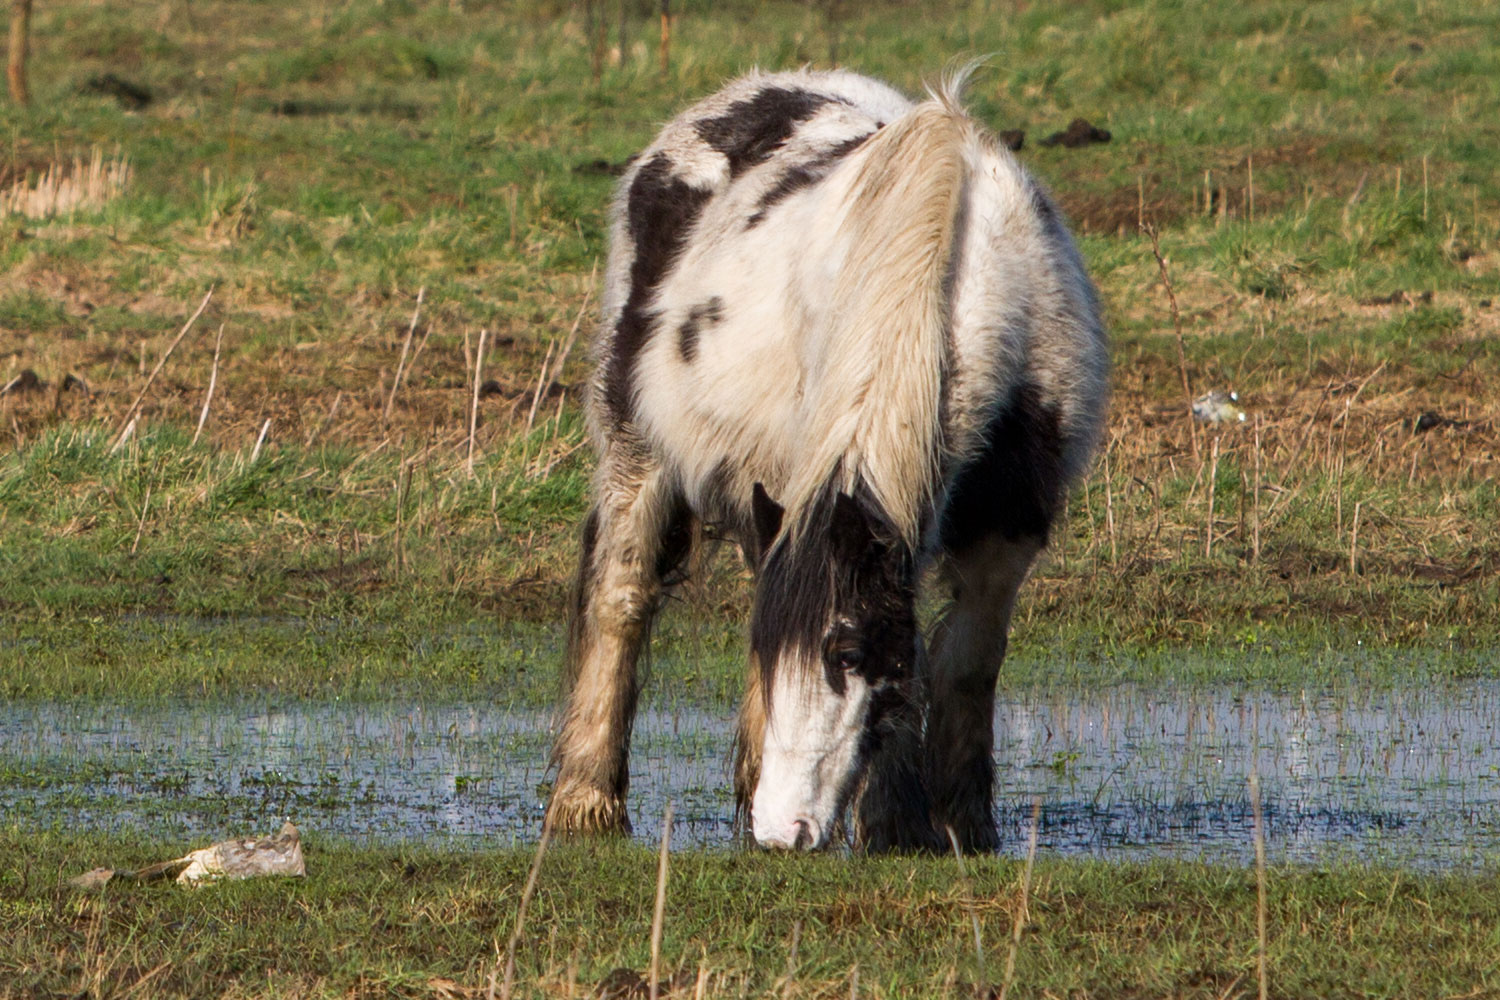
{"type": "Point", "coordinates": [1080, 132]}
{"type": "Point", "coordinates": [1398, 297]}
{"type": "Point", "coordinates": [676, 543]}
{"type": "Point", "coordinates": [1310, 167]}
{"type": "Point", "coordinates": [1016, 484]}
{"type": "Point", "coordinates": [705, 314]}
{"type": "Point", "coordinates": [131, 96]}
{"type": "Point", "coordinates": [1120, 211]}
{"type": "Point", "coordinates": [26, 381]}
{"type": "Point", "coordinates": [803, 175]}
{"type": "Point", "coordinates": [660, 212]}
{"type": "Point", "coordinates": [749, 131]}
{"type": "Point", "coordinates": [602, 168]}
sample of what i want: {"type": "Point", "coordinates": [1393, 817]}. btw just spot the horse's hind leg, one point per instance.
{"type": "Point", "coordinates": [967, 649]}
{"type": "Point", "coordinates": [638, 532]}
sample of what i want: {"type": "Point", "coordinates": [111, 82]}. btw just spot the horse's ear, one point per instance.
{"type": "Point", "coordinates": [767, 514]}
{"type": "Point", "coordinates": [850, 531]}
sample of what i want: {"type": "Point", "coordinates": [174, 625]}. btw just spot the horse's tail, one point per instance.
{"type": "Point", "coordinates": [879, 410]}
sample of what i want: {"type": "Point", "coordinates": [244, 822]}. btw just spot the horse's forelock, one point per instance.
{"type": "Point", "coordinates": [807, 576]}
{"type": "Point", "coordinates": [794, 599]}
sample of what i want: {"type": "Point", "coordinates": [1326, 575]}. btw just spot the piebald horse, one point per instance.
{"type": "Point", "coordinates": [849, 331]}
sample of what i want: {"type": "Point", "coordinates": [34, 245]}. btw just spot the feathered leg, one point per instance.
{"type": "Point", "coordinates": [637, 533]}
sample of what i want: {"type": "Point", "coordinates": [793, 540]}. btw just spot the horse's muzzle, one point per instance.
{"type": "Point", "coordinates": [801, 834]}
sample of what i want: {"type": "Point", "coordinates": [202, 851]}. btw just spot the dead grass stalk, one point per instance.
{"type": "Point", "coordinates": [507, 985]}
{"type": "Point", "coordinates": [128, 422]}
{"type": "Point", "coordinates": [411, 331]}
{"type": "Point", "coordinates": [968, 887]}
{"type": "Point", "coordinates": [1262, 976]}
{"type": "Point", "coordinates": [474, 403]}
{"type": "Point", "coordinates": [60, 190]}
{"type": "Point", "coordinates": [213, 380]}
{"type": "Point", "coordinates": [658, 914]}
{"type": "Point", "coordinates": [1025, 908]}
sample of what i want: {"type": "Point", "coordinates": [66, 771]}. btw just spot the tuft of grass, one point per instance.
{"type": "Point", "coordinates": [60, 190]}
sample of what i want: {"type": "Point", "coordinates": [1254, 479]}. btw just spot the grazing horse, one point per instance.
{"type": "Point", "coordinates": [850, 332]}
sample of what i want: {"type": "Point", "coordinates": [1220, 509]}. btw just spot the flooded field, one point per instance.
{"type": "Point", "coordinates": [1408, 776]}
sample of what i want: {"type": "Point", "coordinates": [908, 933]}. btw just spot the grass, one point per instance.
{"type": "Point", "coordinates": [1321, 179]}
{"type": "Point", "coordinates": [318, 167]}
{"type": "Point", "coordinates": [421, 923]}
{"type": "Point", "coordinates": [147, 659]}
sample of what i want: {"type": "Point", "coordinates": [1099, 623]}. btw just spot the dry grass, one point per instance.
{"type": "Point", "coordinates": [65, 189]}
{"type": "Point", "coordinates": [1180, 529]}
{"type": "Point", "coordinates": [417, 923]}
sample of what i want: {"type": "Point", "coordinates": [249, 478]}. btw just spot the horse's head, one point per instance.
{"type": "Point", "coordinates": [833, 636]}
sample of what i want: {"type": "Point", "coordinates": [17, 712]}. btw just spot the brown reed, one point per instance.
{"type": "Point", "coordinates": [658, 914]}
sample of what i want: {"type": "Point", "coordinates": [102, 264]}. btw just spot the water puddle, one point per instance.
{"type": "Point", "coordinates": [1407, 776]}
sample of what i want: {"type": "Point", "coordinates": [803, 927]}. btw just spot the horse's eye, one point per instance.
{"type": "Point", "coordinates": [850, 659]}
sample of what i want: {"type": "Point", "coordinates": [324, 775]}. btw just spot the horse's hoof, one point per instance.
{"type": "Point", "coordinates": [579, 810]}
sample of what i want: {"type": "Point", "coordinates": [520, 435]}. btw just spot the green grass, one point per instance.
{"type": "Point", "coordinates": [396, 922]}
{"type": "Point", "coordinates": [318, 164]}
{"type": "Point", "coordinates": [144, 659]}
{"type": "Point", "coordinates": [168, 568]}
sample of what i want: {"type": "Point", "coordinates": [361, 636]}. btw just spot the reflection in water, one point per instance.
{"type": "Point", "coordinates": [1410, 776]}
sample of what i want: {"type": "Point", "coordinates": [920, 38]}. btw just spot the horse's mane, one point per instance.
{"type": "Point", "coordinates": [878, 405]}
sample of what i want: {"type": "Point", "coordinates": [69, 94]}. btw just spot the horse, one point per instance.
{"type": "Point", "coordinates": [850, 332]}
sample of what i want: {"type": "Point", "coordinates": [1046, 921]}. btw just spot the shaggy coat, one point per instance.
{"type": "Point", "coordinates": [851, 332]}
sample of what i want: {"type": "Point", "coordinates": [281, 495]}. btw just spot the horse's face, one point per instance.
{"type": "Point", "coordinates": [834, 637]}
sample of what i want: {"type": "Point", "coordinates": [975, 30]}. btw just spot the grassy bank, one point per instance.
{"type": "Point", "coordinates": [1319, 178]}
{"type": "Point", "coordinates": [422, 924]}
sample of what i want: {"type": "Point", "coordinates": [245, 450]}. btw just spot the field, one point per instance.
{"type": "Point", "coordinates": [395, 204]}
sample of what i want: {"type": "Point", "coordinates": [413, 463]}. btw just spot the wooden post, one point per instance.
{"type": "Point", "coordinates": [666, 33]}
{"type": "Point", "coordinates": [593, 29]}
{"type": "Point", "coordinates": [20, 33]}
{"type": "Point", "coordinates": [624, 26]}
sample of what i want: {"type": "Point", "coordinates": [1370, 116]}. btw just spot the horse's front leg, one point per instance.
{"type": "Point", "coordinates": [968, 648]}
{"type": "Point", "coordinates": [637, 532]}
{"type": "Point", "coordinates": [894, 808]}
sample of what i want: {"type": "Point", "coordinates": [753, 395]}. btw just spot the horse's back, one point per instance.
{"type": "Point", "coordinates": [730, 238]}
{"type": "Point", "coordinates": [700, 339]}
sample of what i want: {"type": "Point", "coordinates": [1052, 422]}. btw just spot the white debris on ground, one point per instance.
{"type": "Point", "coordinates": [246, 858]}
{"type": "Point", "coordinates": [1218, 407]}
{"type": "Point", "coordinates": [278, 855]}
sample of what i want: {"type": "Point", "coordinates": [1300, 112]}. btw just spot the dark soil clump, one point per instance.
{"type": "Point", "coordinates": [1080, 132]}
{"type": "Point", "coordinates": [131, 96]}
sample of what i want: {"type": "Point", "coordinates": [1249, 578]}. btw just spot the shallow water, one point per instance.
{"type": "Point", "coordinates": [1406, 776]}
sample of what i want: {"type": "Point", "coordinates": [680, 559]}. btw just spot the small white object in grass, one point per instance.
{"type": "Point", "coordinates": [278, 855]}
{"type": "Point", "coordinates": [1218, 408]}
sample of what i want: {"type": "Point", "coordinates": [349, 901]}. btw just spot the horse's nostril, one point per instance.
{"type": "Point", "coordinates": [809, 835]}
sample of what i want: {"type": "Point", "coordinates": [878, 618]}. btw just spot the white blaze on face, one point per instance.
{"type": "Point", "coordinates": [809, 756]}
